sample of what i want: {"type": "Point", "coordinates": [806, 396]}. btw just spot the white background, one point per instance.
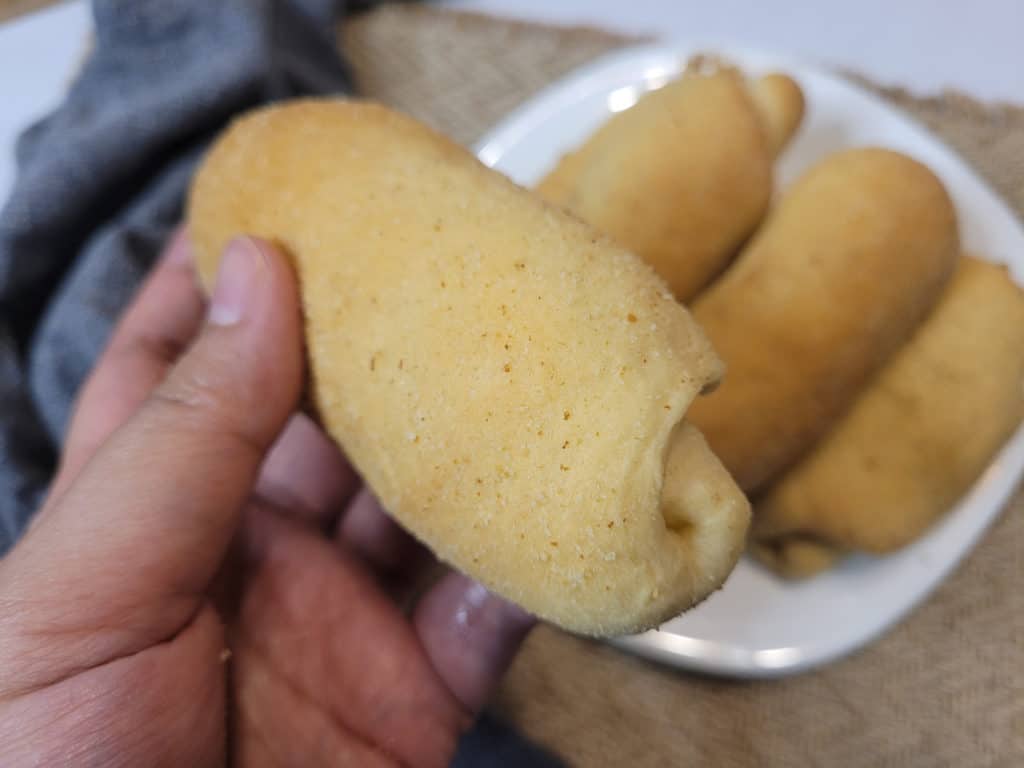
{"type": "Point", "coordinates": [925, 45]}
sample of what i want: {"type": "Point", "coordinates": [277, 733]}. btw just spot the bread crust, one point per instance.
{"type": "Point", "coordinates": [509, 382]}
{"type": "Point", "coordinates": [683, 177]}
{"type": "Point", "coordinates": [835, 281]}
{"type": "Point", "coordinates": [921, 433]}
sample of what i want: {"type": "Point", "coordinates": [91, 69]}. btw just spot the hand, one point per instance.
{"type": "Point", "coordinates": [189, 595]}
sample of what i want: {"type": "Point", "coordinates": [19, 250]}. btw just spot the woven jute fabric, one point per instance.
{"type": "Point", "coordinates": [944, 688]}
{"type": "Point", "coordinates": [11, 8]}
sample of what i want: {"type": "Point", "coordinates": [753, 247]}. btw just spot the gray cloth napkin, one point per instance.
{"type": "Point", "coordinates": [101, 183]}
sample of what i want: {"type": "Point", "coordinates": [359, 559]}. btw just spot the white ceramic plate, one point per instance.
{"type": "Point", "coordinates": [759, 625]}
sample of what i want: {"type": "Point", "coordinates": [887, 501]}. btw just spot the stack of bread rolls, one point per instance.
{"type": "Point", "coordinates": [684, 176]}
{"type": "Point", "coordinates": [872, 371]}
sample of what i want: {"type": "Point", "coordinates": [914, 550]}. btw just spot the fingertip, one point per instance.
{"type": "Point", "coordinates": [513, 616]}
{"type": "Point", "coordinates": [252, 347]}
{"type": "Point", "coordinates": [471, 635]}
{"type": "Point", "coordinates": [389, 550]}
{"type": "Point", "coordinates": [306, 473]}
{"type": "Point", "coordinates": [244, 277]}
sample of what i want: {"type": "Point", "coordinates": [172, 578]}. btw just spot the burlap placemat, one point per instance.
{"type": "Point", "coordinates": [11, 8]}
{"type": "Point", "coordinates": [945, 688]}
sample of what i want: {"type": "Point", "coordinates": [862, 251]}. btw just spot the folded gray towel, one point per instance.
{"type": "Point", "coordinates": [101, 182]}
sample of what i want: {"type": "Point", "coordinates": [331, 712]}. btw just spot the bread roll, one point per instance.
{"type": "Point", "coordinates": [836, 279]}
{"type": "Point", "coordinates": [509, 382]}
{"type": "Point", "coordinates": [795, 557]}
{"type": "Point", "coordinates": [921, 433]}
{"type": "Point", "coordinates": [684, 176]}
{"type": "Point", "coordinates": [780, 105]}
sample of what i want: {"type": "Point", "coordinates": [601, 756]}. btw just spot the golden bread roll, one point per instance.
{"type": "Point", "coordinates": [795, 557]}
{"type": "Point", "coordinates": [921, 433]}
{"type": "Point", "coordinates": [780, 104]}
{"type": "Point", "coordinates": [509, 382]}
{"type": "Point", "coordinates": [684, 176]}
{"type": "Point", "coordinates": [836, 279]}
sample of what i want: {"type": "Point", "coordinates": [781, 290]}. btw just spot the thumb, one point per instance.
{"type": "Point", "coordinates": [142, 530]}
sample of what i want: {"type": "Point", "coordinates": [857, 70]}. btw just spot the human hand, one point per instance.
{"type": "Point", "coordinates": [189, 593]}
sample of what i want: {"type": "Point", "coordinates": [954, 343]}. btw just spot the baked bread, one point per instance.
{"type": "Point", "coordinates": [837, 278]}
{"type": "Point", "coordinates": [795, 557]}
{"type": "Point", "coordinates": [920, 434]}
{"type": "Point", "coordinates": [685, 175]}
{"type": "Point", "coordinates": [510, 383]}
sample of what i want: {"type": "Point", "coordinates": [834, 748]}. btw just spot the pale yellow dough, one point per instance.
{"type": "Point", "coordinates": [921, 433]}
{"type": "Point", "coordinates": [837, 278]}
{"type": "Point", "coordinates": [685, 175]}
{"type": "Point", "coordinates": [509, 382]}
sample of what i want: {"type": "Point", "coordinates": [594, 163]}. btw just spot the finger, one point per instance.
{"type": "Point", "coordinates": [390, 551]}
{"type": "Point", "coordinates": [306, 474]}
{"type": "Point", "coordinates": [157, 326]}
{"type": "Point", "coordinates": [470, 635]}
{"type": "Point", "coordinates": [137, 538]}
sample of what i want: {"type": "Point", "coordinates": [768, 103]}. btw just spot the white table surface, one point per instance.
{"type": "Point", "coordinates": [925, 45]}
